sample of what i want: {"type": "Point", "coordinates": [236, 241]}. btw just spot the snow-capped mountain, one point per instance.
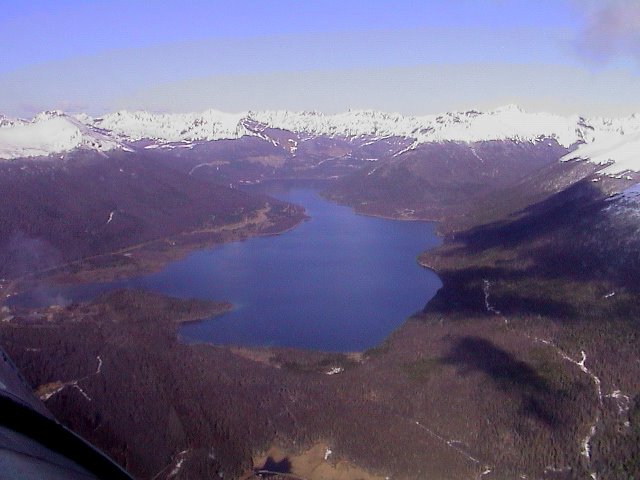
{"type": "Point", "coordinates": [6, 122]}
{"type": "Point", "coordinates": [55, 132]}
{"type": "Point", "coordinates": [621, 151]}
{"type": "Point", "coordinates": [49, 133]}
{"type": "Point", "coordinates": [505, 123]}
{"type": "Point", "coordinates": [172, 127]}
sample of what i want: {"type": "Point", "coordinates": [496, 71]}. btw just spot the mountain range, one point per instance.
{"type": "Point", "coordinates": [601, 140]}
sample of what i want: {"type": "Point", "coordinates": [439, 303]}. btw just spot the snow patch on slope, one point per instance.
{"type": "Point", "coordinates": [622, 151]}
{"type": "Point", "coordinates": [49, 133]}
{"type": "Point", "coordinates": [508, 122]}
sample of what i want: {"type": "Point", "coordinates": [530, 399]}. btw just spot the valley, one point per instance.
{"type": "Point", "coordinates": [336, 282]}
{"type": "Point", "coordinates": [523, 365]}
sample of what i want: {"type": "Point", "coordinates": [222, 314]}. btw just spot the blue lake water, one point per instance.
{"type": "Point", "coordinates": [337, 282]}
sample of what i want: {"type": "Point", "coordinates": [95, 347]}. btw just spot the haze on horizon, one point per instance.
{"type": "Point", "coordinates": [562, 56]}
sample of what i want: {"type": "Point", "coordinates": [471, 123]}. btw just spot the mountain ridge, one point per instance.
{"type": "Point", "coordinates": [55, 132]}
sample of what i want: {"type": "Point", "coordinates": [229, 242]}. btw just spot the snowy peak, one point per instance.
{"type": "Point", "coordinates": [174, 127]}
{"type": "Point", "coordinates": [6, 122]}
{"type": "Point", "coordinates": [505, 123]}
{"type": "Point", "coordinates": [48, 114]}
{"type": "Point", "coordinates": [509, 122]}
{"type": "Point", "coordinates": [49, 133]}
{"type": "Point", "coordinates": [54, 132]}
{"type": "Point", "coordinates": [353, 123]}
{"type": "Point", "coordinates": [509, 108]}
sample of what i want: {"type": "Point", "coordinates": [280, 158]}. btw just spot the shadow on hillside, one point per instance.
{"type": "Point", "coordinates": [272, 468]}
{"type": "Point", "coordinates": [463, 293]}
{"type": "Point", "coordinates": [474, 354]}
{"type": "Point", "coordinates": [573, 236]}
{"type": "Point", "coordinates": [567, 208]}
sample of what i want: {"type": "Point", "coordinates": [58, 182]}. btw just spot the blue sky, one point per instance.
{"type": "Point", "coordinates": [414, 57]}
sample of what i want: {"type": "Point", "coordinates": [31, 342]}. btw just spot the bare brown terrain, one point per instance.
{"type": "Point", "coordinates": [311, 464]}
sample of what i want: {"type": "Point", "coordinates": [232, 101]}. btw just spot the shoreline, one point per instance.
{"type": "Point", "coordinates": [152, 256]}
{"type": "Point", "coordinates": [218, 308]}
{"type": "Point", "coordinates": [153, 261]}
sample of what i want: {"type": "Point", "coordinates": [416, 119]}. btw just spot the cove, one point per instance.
{"type": "Point", "coordinates": [337, 282]}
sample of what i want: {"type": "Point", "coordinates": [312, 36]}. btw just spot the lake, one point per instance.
{"type": "Point", "coordinates": [337, 282]}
